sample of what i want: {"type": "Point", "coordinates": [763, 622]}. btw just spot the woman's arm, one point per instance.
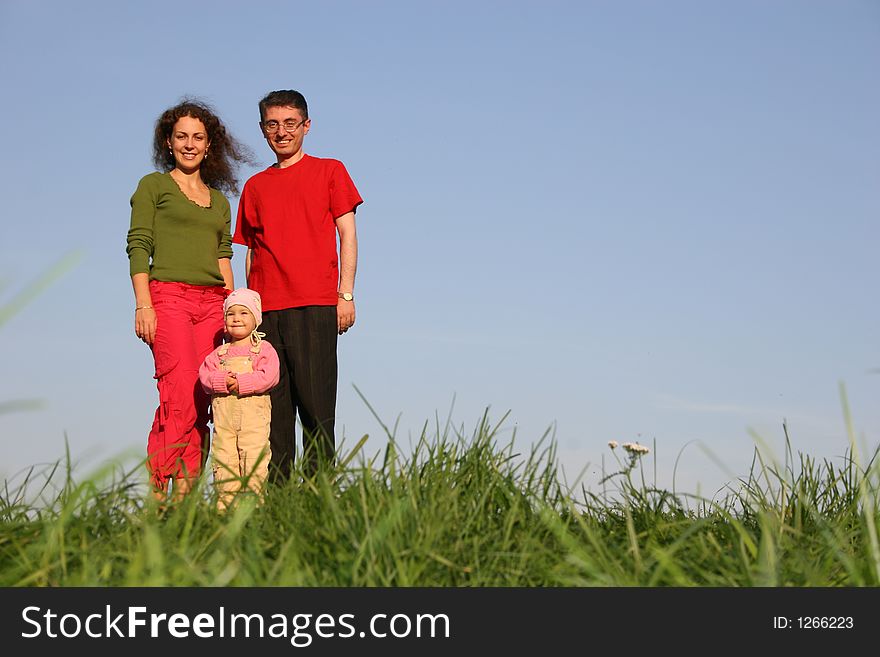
{"type": "Point", "coordinates": [144, 314]}
{"type": "Point", "coordinates": [140, 249]}
{"type": "Point", "coordinates": [225, 265]}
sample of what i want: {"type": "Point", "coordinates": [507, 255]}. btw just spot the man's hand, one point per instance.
{"type": "Point", "coordinates": [344, 315]}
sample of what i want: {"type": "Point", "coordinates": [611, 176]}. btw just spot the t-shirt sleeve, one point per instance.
{"type": "Point", "coordinates": [225, 248]}
{"type": "Point", "coordinates": [243, 230]}
{"type": "Point", "coordinates": [344, 197]}
{"type": "Point", "coordinates": [140, 232]}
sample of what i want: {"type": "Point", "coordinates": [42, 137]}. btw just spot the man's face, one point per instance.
{"type": "Point", "coordinates": [284, 129]}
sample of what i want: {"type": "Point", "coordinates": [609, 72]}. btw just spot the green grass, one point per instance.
{"type": "Point", "coordinates": [457, 511]}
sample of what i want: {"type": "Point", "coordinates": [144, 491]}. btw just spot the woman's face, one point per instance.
{"type": "Point", "coordinates": [189, 143]}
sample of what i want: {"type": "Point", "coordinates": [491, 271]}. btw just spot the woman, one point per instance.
{"type": "Point", "coordinates": [179, 250]}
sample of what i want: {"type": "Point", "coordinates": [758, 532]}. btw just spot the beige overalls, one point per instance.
{"type": "Point", "coordinates": [240, 449]}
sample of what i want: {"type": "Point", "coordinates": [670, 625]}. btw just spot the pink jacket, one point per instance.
{"type": "Point", "coordinates": [261, 380]}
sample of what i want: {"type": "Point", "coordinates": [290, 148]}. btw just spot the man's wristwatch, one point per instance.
{"type": "Point", "coordinates": [346, 296]}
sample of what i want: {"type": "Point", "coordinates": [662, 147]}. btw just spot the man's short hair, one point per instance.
{"type": "Point", "coordinates": [284, 98]}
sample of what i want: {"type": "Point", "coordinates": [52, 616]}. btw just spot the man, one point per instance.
{"type": "Point", "coordinates": [288, 217]}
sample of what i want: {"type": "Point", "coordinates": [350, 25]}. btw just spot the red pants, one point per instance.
{"type": "Point", "coordinates": [189, 325]}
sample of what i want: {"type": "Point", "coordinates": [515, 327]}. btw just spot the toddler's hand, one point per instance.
{"type": "Point", "coordinates": [232, 384]}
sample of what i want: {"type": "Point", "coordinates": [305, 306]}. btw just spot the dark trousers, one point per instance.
{"type": "Point", "coordinates": [305, 339]}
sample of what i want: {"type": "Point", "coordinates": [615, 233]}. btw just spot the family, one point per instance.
{"type": "Point", "coordinates": [253, 358]}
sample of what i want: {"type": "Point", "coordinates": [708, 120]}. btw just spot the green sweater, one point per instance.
{"type": "Point", "coordinates": [183, 239]}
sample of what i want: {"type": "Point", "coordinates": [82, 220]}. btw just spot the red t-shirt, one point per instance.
{"type": "Point", "coordinates": [287, 217]}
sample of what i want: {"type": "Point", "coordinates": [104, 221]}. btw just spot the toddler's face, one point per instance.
{"type": "Point", "coordinates": [240, 322]}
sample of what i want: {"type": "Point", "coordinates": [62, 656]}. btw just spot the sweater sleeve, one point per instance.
{"type": "Point", "coordinates": [225, 248]}
{"type": "Point", "coordinates": [212, 378]}
{"type": "Point", "coordinates": [265, 375]}
{"type": "Point", "coordinates": [140, 233]}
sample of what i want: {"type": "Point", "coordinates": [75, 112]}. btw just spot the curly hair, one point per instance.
{"type": "Point", "coordinates": [227, 153]}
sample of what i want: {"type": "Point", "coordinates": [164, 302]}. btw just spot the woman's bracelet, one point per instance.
{"type": "Point", "coordinates": [142, 307]}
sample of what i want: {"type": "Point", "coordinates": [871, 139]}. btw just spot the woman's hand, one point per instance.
{"type": "Point", "coordinates": [145, 324]}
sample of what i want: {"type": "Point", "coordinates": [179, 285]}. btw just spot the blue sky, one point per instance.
{"type": "Point", "coordinates": [633, 220]}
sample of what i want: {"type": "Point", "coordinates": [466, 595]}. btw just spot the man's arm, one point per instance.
{"type": "Point", "coordinates": [247, 266]}
{"type": "Point", "coordinates": [347, 268]}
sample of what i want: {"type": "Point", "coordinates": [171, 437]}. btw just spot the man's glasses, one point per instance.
{"type": "Point", "coordinates": [271, 127]}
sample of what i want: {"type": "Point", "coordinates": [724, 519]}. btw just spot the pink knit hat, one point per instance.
{"type": "Point", "coordinates": [249, 299]}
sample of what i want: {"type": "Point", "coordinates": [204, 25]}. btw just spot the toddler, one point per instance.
{"type": "Point", "coordinates": [238, 374]}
